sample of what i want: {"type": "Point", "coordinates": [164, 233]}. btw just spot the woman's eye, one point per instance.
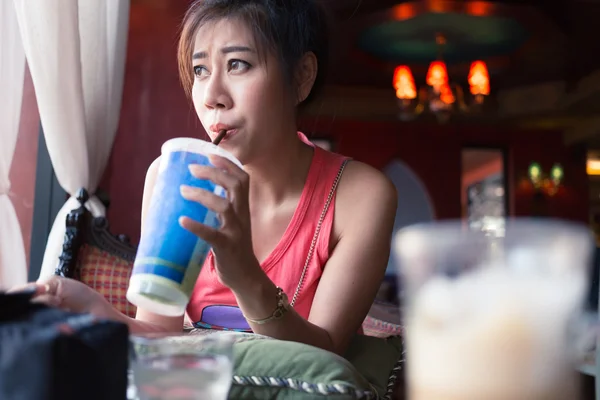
{"type": "Point", "coordinates": [238, 66]}
{"type": "Point", "coordinates": [200, 71]}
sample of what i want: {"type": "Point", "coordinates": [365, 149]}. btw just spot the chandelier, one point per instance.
{"type": "Point", "coordinates": [439, 96]}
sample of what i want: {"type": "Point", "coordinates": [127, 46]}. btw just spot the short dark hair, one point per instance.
{"type": "Point", "coordinates": [288, 28]}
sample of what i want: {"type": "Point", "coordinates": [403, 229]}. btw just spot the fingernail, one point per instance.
{"type": "Point", "coordinates": [185, 190]}
{"type": "Point", "coordinates": [182, 221]}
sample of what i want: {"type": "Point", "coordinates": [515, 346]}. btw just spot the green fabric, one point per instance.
{"type": "Point", "coordinates": [374, 358]}
{"type": "Point", "coordinates": [366, 368]}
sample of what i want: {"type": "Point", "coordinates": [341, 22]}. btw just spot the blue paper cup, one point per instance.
{"type": "Point", "coordinates": [169, 258]}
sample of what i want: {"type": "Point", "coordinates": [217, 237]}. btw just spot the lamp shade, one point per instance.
{"type": "Point", "coordinates": [479, 79]}
{"type": "Point", "coordinates": [404, 83]}
{"type": "Point", "coordinates": [437, 75]}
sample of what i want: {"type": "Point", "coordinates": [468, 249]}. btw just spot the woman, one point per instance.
{"type": "Point", "coordinates": [297, 221]}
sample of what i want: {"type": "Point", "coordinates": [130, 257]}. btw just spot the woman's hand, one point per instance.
{"type": "Point", "coordinates": [68, 294]}
{"type": "Point", "coordinates": [232, 242]}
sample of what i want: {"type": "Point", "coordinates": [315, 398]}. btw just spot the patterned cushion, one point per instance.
{"type": "Point", "coordinates": [107, 274]}
{"type": "Point", "coordinates": [383, 320]}
{"type": "Point", "coordinates": [380, 329]}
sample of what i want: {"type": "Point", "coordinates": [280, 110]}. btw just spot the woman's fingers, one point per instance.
{"type": "Point", "coordinates": [48, 299]}
{"type": "Point", "coordinates": [205, 232]}
{"type": "Point", "coordinates": [223, 207]}
{"type": "Point", "coordinates": [27, 288]}
{"type": "Point", "coordinates": [43, 292]}
{"type": "Point", "coordinates": [210, 200]}
{"type": "Point", "coordinates": [215, 175]}
{"type": "Point", "coordinates": [34, 288]}
{"type": "Point", "coordinates": [240, 184]}
{"type": "Point", "coordinates": [227, 165]}
{"type": "Point", "coordinates": [229, 176]}
{"type": "Point", "coordinates": [233, 210]}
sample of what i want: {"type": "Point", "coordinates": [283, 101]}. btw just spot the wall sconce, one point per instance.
{"type": "Point", "coordinates": [593, 167]}
{"type": "Point", "coordinates": [547, 183]}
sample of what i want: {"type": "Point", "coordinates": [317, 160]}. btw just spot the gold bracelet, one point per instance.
{"type": "Point", "coordinates": [282, 307]}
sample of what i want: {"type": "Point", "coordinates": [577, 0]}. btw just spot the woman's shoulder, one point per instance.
{"type": "Point", "coordinates": [360, 177]}
{"type": "Point", "coordinates": [365, 189]}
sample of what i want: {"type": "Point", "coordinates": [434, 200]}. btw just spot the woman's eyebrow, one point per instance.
{"type": "Point", "coordinates": [224, 50]}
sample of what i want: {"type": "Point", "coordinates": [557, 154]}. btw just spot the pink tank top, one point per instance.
{"type": "Point", "coordinates": [213, 305]}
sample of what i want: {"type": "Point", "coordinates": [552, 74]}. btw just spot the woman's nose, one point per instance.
{"type": "Point", "coordinates": [216, 93]}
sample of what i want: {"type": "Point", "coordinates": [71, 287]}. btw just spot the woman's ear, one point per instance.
{"type": "Point", "coordinates": [306, 73]}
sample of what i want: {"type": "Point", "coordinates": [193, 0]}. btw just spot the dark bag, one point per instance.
{"type": "Point", "coordinates": [51, 354]}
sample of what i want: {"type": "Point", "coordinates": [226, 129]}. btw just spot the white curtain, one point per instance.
{"type": "Point", "coordinates": [76, 53]}
{"type": "Point", "coordinates": [13, 267]}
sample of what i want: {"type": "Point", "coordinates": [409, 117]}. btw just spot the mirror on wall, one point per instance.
{"type": "Point", "coordinates": [483, 189]}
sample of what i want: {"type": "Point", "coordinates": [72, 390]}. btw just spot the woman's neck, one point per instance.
{"type": "Point", "coordinates": [284, 171]}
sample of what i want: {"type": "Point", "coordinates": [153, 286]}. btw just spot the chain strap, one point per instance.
{"type": "Point", "coordinates": [317, 231]}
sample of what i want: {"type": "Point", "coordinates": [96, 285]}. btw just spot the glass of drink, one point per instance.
{"type": "Point", "coordinates": [182, 367]}
{"type": "Point", "coordinates": [169, 258]}
{"type": "Point", "coordinates": [492, 317]}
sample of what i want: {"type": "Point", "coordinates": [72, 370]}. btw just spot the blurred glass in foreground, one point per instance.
{"type": "Point", "coordinates": [493, 316]}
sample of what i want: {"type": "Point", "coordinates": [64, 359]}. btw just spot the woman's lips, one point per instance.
{"type": "Point", "coordinates": [219, 127]}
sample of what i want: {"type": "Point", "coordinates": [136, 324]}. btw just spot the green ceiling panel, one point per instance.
{"type": "Point", "coordinates": [468, 38]}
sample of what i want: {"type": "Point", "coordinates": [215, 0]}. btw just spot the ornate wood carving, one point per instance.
{"type": "Point", "coordinates": [83, 228]}
{"type": "Point", "coordinates": [119, 245]}
{"type": "Point", "coordinates": [75, 226]}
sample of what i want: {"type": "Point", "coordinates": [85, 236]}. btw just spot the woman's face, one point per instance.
{"type": "Point", "coordinates": [237, 90]}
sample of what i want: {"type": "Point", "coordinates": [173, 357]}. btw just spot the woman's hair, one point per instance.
{"type": "Point", "coordinates": [287, 28]}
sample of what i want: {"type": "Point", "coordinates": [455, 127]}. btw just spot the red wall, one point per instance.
{"type": "Point", "coordinates": [434, 153]}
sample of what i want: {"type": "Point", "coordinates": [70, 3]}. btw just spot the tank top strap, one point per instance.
{"type": "Point", "coordinates": [330, 170]}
